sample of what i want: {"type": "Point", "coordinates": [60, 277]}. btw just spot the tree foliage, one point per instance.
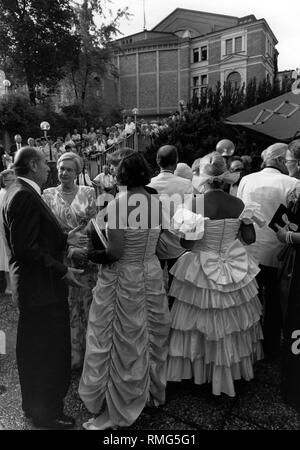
{"type": "Point", "coordinates": [36, 40]}
{"type": "Point", "coordinates": [96, 27]}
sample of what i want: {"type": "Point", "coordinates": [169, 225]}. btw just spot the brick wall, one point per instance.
{"type": "Point", "coordinates": [148, 90]}
{"type": "Point", "coordinates": [147, 62]}
{"type": "Point", "coordinates": [213, 79]}
{"type": "Point", "coordinates": [256, 70]}
{"type": "Point", "coordinates": [128, 64]}
{"type": "Point", "coordinates": [168, 60]}
{"type": "Point", "coordinates": [128, 92]}
{"type": "Point", "coordinates": [256, 43]}
{"type": "Point", "coordinates": [214, 52]}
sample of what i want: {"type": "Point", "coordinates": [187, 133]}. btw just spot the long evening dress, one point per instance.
{"type": "Point", "coordinates": [127, 339]}
{"type": "Point", "coordinates": [79, 212]}
{"type": "Point", "coordinates": [215, 331]}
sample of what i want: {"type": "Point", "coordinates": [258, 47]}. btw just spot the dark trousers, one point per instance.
{"type": "Point", "coordinates": [269, 295]}
{"type": "Point", "coordinates": [2, 282]}
{"type": "Point", "coordinates": [44, 359]}
{"type": "Point", "coordinates": [170, 263]}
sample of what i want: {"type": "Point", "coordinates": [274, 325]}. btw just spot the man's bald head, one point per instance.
{"type": "Point", "coordinates": [23, 158]}
{"type": "Point", "coordinates": [167, 157]}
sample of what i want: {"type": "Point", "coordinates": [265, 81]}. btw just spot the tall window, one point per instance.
{"type": "Point", "coordinates": [195, 86]}
{"type": "Point", "coordinates": [203, 80]}
{"type": "Point", "coordinates": [238, 44]}
{"type": "Point", "coordinates": [196, 55]}
{"type": "Point", "coordinates": [204, 53]}
{"type": "Point", "coordinates": [228, 50]}
{"type": "Point", "coordinates": [235, 80]}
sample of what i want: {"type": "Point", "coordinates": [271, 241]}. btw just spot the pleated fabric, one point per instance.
{"type": "Point", "coordinates": [215, 331]}
{"type": "Point", "coordinates": [127, 338]}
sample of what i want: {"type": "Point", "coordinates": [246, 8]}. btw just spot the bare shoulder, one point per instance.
{"type": "Point", "coordinates": [235, 202]}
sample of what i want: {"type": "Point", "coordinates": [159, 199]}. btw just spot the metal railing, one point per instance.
{"type": "Point", "coordinates": [95, 162]}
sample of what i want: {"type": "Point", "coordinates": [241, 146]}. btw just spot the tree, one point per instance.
{"type": "Point", "coordinates": [94, 59]}
{"type": "Point", "coordinates": [36, 41]}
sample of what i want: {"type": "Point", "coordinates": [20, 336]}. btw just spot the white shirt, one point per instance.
{"type": "Point", "coordinates": [32, 184]}
{"type": "Point", "coordinates": [269, 188]}
{"type": "Point", "coordinates": [107, 181]}
{"type": "Point", "coordinates": [167, 183]}
{"type": "Point", "coordinates": [130, 128]}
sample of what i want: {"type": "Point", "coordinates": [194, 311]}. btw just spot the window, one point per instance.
{"type": "Point", "coordinates": [204, 53]}
{"type": "Point", "coordinates": [196, 55]}
{"type": "Point", "coordinates": [203, 79]}
{"type": "Point", "coordinates": [199, 85]}
{"type": "Point", "coordinates": [238, 44]}
{"type": "Point", "coordinates": [235, 79]}
{"type": "Point", "coordinates": [228, 48]}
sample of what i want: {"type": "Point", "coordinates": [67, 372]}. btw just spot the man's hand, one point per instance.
{"type": "Point", "coordinates": [77, 239]}
{"type": "Point", "coordinates": [79, 256]}
{"type": "Point", "coordinates": [71, 279]}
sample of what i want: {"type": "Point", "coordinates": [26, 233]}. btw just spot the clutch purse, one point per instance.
{"type": "Point", "coordinates": [97, 236]}
{"type": "Point", "coordinates": [284, 218]}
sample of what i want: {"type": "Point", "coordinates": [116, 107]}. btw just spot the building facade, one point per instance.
{"type": "Point", "coordinates": [187, 52]}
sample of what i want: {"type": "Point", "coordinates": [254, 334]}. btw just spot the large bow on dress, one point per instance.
{"type": "Point", "coordinates": [229, 267]}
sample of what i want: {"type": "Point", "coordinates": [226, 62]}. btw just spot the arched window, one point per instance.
{"type": "Point", "coordinates": [235, 79]}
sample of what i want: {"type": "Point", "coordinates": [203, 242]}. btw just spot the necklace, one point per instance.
{"type": "Point", "coordinates": [69, 193]}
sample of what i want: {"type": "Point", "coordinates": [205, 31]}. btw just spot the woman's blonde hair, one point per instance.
{"type": "Point", "coordinates": [213, 164]}
{"type": "Point", "coordinates": [76, 159]}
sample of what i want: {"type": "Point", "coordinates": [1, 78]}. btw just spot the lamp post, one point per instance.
{"type": "Point", "coordinates": [135, 112]}
{"type": "Point", "coordinates": [52, 179]}
{"type": "Point", "coordinates": [6, 84]}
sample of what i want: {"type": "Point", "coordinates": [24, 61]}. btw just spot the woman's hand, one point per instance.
{"type": "Point", "coordinates": [77, 238]}
{"type": "Point", "coordinates": [281, 233]}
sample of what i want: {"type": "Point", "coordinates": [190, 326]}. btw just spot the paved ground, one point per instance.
{"type": "Point", "coordinates": [257, 406]}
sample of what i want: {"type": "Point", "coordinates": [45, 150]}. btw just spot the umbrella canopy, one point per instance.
{"type": "Point", "coordinates": [278, 117]}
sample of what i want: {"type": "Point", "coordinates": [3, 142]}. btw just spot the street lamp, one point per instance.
{"type": "Point", "coordinates": [45, 126]}
{"type": "Point", "coordinates": [6, 84]}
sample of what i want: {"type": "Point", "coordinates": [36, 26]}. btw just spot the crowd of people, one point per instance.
{"type": "Point", "coordinates": [87, 142]}
{"type": "Point", "coordinates": [176, 276]}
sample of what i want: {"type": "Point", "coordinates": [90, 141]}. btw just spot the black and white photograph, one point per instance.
{"type": "Point", "coordinates": [149, 218]}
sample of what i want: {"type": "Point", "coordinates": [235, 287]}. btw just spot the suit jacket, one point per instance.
{"type": "Point", "coordinates": [36, 242]}
{"type": "Point", "coordinates": [168, 184]}
{"type": "Point", "coordinates": [13, 149]}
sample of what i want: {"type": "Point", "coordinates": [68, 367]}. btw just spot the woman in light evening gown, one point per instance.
{"type": "Point", "coordinates": [215, 331]}
{"type": "Point", "coordinates": [125, 364]}
{"type": "Point", "coordinates": [73, 206]}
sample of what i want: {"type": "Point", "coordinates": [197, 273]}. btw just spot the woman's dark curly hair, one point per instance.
{"type": "Point", "coordinates": [133, 171]}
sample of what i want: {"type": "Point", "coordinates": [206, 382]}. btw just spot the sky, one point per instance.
{"type": "Point", "coordinates": [283, 18]}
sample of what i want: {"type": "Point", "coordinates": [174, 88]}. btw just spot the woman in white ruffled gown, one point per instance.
{"type": "Point", "coordinates": [215, 332]}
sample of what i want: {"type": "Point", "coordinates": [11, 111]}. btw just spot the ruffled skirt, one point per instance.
{"type": "Point", "coordinates": [215, 332]}
{"type": "Point", "coordinates": [127, 342]}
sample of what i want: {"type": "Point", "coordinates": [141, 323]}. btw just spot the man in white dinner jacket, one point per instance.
{"type": "Point", "coordinates": [167, 184]}
{"type": "Point", "coordinates": [269, 188]}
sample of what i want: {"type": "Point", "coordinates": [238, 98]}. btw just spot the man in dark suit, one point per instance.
{"type": "Point", "coordinates": [39, 279]}
{"type": "Point", "coordinates": [16, 146]}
